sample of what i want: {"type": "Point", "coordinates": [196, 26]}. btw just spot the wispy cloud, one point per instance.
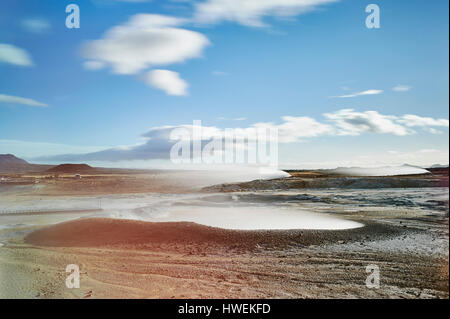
{"type": "Point", "coordinates": [401, 88]}
{"type": "Point", "coordinates": [433, 130]}
{"type": "Point", "coordinates": [219, 73]}
{"type": "Point", "coordinates": [351, 122]}
{"type": "Point", "coordinates": [36, 25]}
{"type": "Point", "coordinates": [14, 55]}
{"type": "Point", "coordinates": [9, 99]}
{"type": "Point", "coordinates": [367, 92]}
{"type": "Point", "coordinates": [411, 120]}
{"type": "Point", "coordinates": [94, 65]}
{"type": "Point", "coordinates": [252, 12]}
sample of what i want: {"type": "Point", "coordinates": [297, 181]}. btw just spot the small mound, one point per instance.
{"type": "Point", "coordinates": [133, 234]}
{"type": "Point", "coordinates": [92, 232]}
{"type": "Point", "coordinates": [72, 168]}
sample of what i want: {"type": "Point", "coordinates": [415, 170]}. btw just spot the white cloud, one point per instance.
{"type": "Point", "coordinates": [158, 143]}
{"type": "Point", "coordinates": [36, 25]}
{"type": "Point", "coordinates": [219, 73]}
{"type": "Point", "coordinates": [401, 88]}
{"type": "Point", "coordinates": [94, 65]}
{"type": "Point", "coordinates": [350, 122]}
{"type": "Point", "coordinates": [433, 131]}
{"type": "Point", "coordinates": [291, 129]}
{"type": "Point", "coordinates": [14, 55]}
{"type": "Point", "coordinates": [252, 12]}
{"type": "Point", "coordinates": [411, 120]}
{"type": "Point", "coordinates": [367, 92]}
{"type": "Point", "coordinates": [168, 81]}
{"type": "Point", "coordinates": [145, 41]}
{"type": "Point", "coordinates": [20, 100]}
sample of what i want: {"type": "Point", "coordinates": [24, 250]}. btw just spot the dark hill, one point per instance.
{"type": "Point", "coordinates": [9, 159]}
{"type": "Point", "coordinates": [72, 168]}
{"type": "Point", "coordinates": [12, 164]}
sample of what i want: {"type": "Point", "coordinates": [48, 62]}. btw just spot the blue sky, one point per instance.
{"type": "Point", "coordinates": [229, 69]}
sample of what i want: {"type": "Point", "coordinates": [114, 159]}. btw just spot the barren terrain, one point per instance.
{"type": "Point", "coordinates": [405, 236]}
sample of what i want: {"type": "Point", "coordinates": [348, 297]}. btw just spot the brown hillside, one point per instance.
{"type": "Point", "coordinates": [72, 168]}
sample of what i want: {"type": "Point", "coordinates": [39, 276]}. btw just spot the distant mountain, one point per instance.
{"type": "Point", "coordinates": [11, 164]}
{"type": "Point", "coordinates": [439, 166]}
{"type": "Point", "coordinates": [9, 159]}
{"type": "Point", "coordinates": [72, 169]}
{"type": "Point", "coordinates": [441, 170]}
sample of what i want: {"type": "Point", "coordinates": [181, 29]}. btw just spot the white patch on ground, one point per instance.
{"type": "Point", "coordinates": [378, 171]}
{"type": "Point", "coordinates": [243, 218]}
